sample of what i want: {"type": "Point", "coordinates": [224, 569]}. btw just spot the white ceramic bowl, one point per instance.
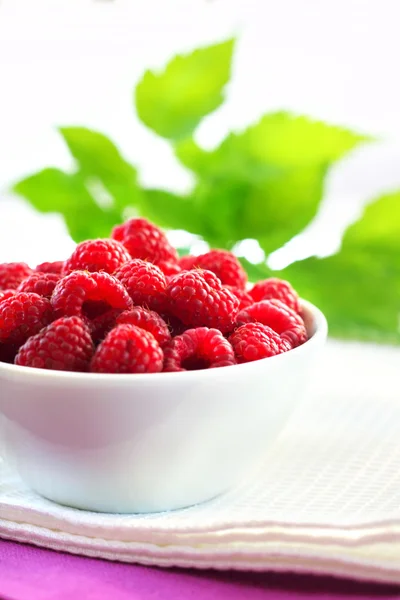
{"type": "Point", "coordinates": [145, 443]}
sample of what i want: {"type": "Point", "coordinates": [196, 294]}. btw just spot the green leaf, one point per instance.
{"type": "Point", "coordinates": [266, 182]}
{"type": "Point", "coordinates": [53, 191]}
{"type": "Point", "coordinates": [170, 210]}
{"type": "Point", "coordinates": [100, 162]}
{"type": "Point", "coordinates": [256, 272]}
{"type": "Point", "coordinates": [173, 102]}
{"type": "Point", "coordinates": [359, 287]}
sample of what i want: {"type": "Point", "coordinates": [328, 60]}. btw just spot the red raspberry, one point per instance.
{"type": "Point", "coordinates": [51, 267]}
{"type": "Point", "coordinates": [169, 268]}
{"type": "Point", "coordinates": [148, 320]}
{"type": "Point", "coordinates": [225, 265]}
{"type": "Point", "coordinates": [200, 348]}
{"type": "Point", "coordinates": [128, 349]}
{"type": "Point", "coordinates": [11, 275]}
{"type": "Point", "coordinates": [279, 317]}
{"type": "Point", "coordinates": [64, 345]}
{"type": "Point", "coordinates": [145, 283]}
{"type": "Point", "coordinates": [23, 315]}
{"type": "Point", "coordinates": [278, 289]}
{"type": "Point", "coordinates": [187, 262]}
{"type": "Point", "coordinates": [97, 255]}
{"type": "Point", "coordinates": [7, 294]}
{"type": "Point", "coordinates": [99, 326]}
{"type": "Point", "coordinates": [42, 284]}
{"type": "Point", "coordinates": [144, 240]}
{"type": "Point", "coordinates": [198, 299]}
{"type": "Point", "coordinates": [244, 297]}
{"type": "Point", "coordinates": [254, 341]}
{"type": "Point", "coordinates": [88, 295]}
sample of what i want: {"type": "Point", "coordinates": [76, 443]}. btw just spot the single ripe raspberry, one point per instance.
{"type": "Point", "coordinates": [23, 315]}
{"type": "Point", "coordinates": [244, 297]}
{"type": "Point", "coordinates": [145, 283]}
{"type": "Point", "coordinates": [97, 255]}
{"type": "Point", "coordinates": [144, 240]}
{"type": "Point", "coordinates": [148, 320]}
{"type": "Point", "coordinates": [42, 284]}
{"type": "Point", "coordinates": [278, 289]}
{"type": "Point", "coordinates": [51, 267]}
{"type": "Point", "coordinates": [128, 349]}
{"type": "Point", "coordinates": [64, 345]}
{"type": "Point", "coordinates": [200, 348]}
{"type": "Point", "coordinates": [198, 299]}
{"type": "Point", "coordinates": [254, 341]}
{"type": "Point", "coordinates": [7, 294]}
{"type": "Point", "coordinates": [187, 262]}
{"type": "Point", "coordinates": [11, 274]}
{"type": "Point", "coordinates": [169, 268]}
{"type": "Point", "coordinates": [225, 265]}
{"type": "Point", "coordinates": [89, 295]}
{"type": "Point", "coordinates": [279, 317]}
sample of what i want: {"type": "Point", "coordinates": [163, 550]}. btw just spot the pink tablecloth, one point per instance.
{"type": "Point", "coordinates": [29, 573]}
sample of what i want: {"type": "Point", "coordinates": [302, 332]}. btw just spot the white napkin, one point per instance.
{"type": "Point", "coordinates": [326, 500]}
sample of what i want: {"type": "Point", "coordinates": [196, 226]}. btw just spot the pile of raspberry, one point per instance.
{"type": "Point", "coordinates": [129, 304]}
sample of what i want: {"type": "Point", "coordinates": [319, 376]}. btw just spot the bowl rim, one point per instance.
{"type": "Point", "coordinates": [319, 325]}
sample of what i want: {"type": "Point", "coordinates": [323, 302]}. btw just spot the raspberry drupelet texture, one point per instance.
{"type": "Point", "coordinates": [148, 320]}
{"type": "Point", "coordinates": [200, 348]}
{"type": "Point", "coordinates": [51, 267]}
{"type": "Point", "coordinates": [64, 345]}
{"type": "Point", "coordinates": [279, 317]}
{"type": "Point", "coordinates": [11, 274]}
{"type": "Point", "coordinates": [198, 299]}
{"type": "Point", "coordinates": [102, 324]}
{"type": "Point", "coordinates": [145, 282]}
{"type": "Point", "coordinates": [144, 240]}
{"type": "Point", "coordinates": [225, 265]}
{"type": "Point", "coordinates": [187, 262]}
{"type": "Point", "coordinates": [97, 255]}
{"type": "Point", "coordinates": [128, 349]}
{"type": "Point", "coordinates": [244, 297]}
{"type": "Point", "coordinates": [277, 289]}
{"type": "Point", "coordinates": [89, 295]}
{"type": "Point", "coordinates": [42, 284]}
{"type": "Point", "coordinates": [23, 315]}
{"type": "Point", "coordinates": [7, 294]}
{"type": "Point", "coordinates": [254, 341]}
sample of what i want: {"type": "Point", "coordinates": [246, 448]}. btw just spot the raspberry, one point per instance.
{"type": "Point", "coordinates": [148, 320]}
{"type": "Point", "coordinates": [224, 264]}
{"type": "Point", "coordinates": [145, 283]}
{"type": "Point", "coordinates": [279, 317]}
{"type": "Point", "coordinates": [254, 341]}
{"type": "Point", "coordinates": [198, 299]}
{"type": "Point", "coordinates": [169, 268]}
{"type": "Point", "coordinates": [51, 267]}
{"type": "Point", "coordinates": [23, 315]}
{"type": "Point", "coordinates": [278, 289]}
{"type": "Point", "coordinates": [144, 240]}
{"type": "Point", "coordinates": [200, 348]}
{"type": "Point", "coordinates": [88, 295]}
{"type": "Point", "coordinates": [244, 297]}
{"type": "Point", "coordinates": [187, 262]}
{"type": "Point", "coordinates": [64, 345]}
{"type": "Point", "coordinates": [97, 255]}
{"type": "Point", "coordinates": [42, 284]}
{"type": "Point", "coordinates": [128, 349]}
{"type": "Point", "coordinates": [99, 326]}
{"type": "Point", "coordinates": [7, 294]}
{"type": "Point", "coordinates": [11, 275]}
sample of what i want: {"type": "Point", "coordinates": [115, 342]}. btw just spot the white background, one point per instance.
{"type": "Point", "coordinates": [67, 62]}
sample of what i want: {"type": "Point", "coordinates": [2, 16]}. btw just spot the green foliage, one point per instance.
{"type": "Point", "coordinates": [264, 183]}
{"type": "Point", "coordinates": [173, 102]}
